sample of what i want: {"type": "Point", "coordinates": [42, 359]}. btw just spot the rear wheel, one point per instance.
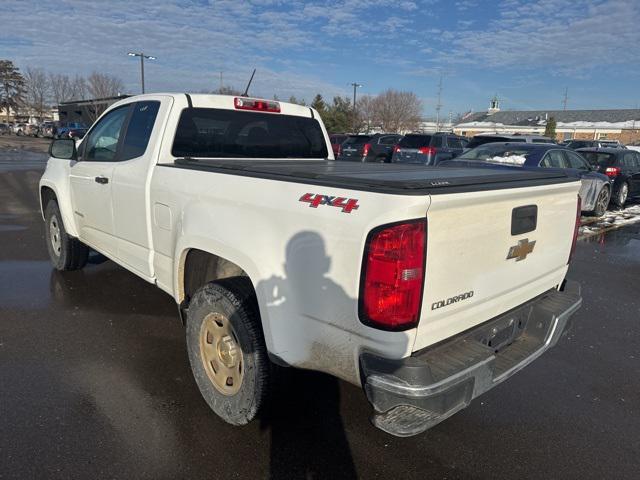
{"type": "Point", "coordinates": [602, 202]}
{"type": "Point", "coordinates": [66, 253]}
{"type": "Point", "coordinates": [622, 195]}
{"type": "Point", "coordinates": [227, 351]}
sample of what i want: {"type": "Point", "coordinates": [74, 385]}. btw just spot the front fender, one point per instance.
{"type": "Point", "coordinates": [56, 177]}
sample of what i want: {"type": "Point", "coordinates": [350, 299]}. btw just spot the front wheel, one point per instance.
{"type": "Point", "coordinates": [602, 202]}
{"type": "Point", "coordinates": [227, 351]}
{"type": "Point", "coordinates": [66, 252]}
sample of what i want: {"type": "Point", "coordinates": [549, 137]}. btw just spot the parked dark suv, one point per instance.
{"type": "Point", "coordinates": [621, 166]}
{"type": "Point", "coordinates": [429, 149]}
{"type": "Point", "coordinates": [369, 148]}
{"type": "Point", "coordinates": [336, 141]}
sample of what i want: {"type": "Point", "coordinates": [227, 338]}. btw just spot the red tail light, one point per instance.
{"type": "Point", "coordinates": [393, 276]}
{"type": "Point", "coordinates": [254, 104]}
{"type": "Point", "coordinates": [612, 171]}
{"type": "Point", "coordinates": [396, 148]}
{"type": "Point", "coordinates": [427, 150]}
{"type": "Point", "coordinates": [576, 229]}
{"type": "Point", "coordinates": [365, 149]}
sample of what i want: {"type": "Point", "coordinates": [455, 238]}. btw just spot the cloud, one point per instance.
{"type": "Point", "coordinates": [463, 5]}
{"type": "Point", "coordinates": [571, 37]}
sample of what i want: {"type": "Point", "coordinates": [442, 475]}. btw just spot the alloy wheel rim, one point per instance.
{"type": "Point", "coordinates": [221, 354]}
{"type": "Point", "coordinates": [603, 200]}
{"type": "Point", "coordinates": [54, 235]}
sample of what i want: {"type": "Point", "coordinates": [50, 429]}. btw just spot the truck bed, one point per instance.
{"type": "Point", "coordinates": [397, 179]}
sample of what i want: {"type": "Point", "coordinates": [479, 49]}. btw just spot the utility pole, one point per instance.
{"type": "Point", "coordinates": [439, 104]}
{"type": "Point", "coordinates": [565, 98]}
{"type": "Point", "coordinates": [353, 123]}
{"type": "Point", "coordinates": [220, 81]}
{"type": "Point", "coordinates": [142, 57]}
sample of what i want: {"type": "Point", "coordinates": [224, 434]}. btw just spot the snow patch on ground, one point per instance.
{"type": "Point", "coordinates": [612, 219]}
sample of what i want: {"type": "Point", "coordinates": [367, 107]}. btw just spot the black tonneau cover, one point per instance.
{"type": "Point", "coordinates": [399, 179]}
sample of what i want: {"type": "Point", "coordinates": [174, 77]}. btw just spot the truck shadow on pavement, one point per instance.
{"type": "Point", "coordinates": [308, 439]}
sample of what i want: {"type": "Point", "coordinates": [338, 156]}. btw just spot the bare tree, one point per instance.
{"type": "Point", "coordinates": [61, 88]}
{"type": "Point", "coordinates": [366, 113]}
{"type": "Point", "coordinates": [78, 88]}
{"type": "Point", "coordinates": [102, 85]}
{"type": "Point", "coordinates": [11, 87]}
{"type": "Point", "coordinates": [397, 111]}
{"type": "Point", "coordinates": [37, 89]}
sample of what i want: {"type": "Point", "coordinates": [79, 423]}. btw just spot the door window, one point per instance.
{"type": "Point", "coordinates": [576, 161]}
{"type": "Point", "coordinates": [436, 142]}
{"type": "Point", "coordinates": [629, 161]}
{"type": "Point", "coordinates": [554, 159]}
{"type": "Point", "coordinates": [139, 129]}
{"type": "Point", "coordinates": [102, 143]}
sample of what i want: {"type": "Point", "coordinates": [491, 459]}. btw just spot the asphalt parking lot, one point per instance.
{"type": "Point", "coordinates": [96, 383]}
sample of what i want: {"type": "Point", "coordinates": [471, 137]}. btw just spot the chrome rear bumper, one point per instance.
{"type": "Point", "coordinates": [413, 394]}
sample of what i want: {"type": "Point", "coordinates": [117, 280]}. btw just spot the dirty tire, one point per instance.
{"type": "Point", "coordinates": [66, 253]}
{"type": "Point", "coordinates": [621, 195]}
{"type": "Point", "coordinates": [233, 298]}
{"type": "Point", "coordinates": [602, 202]}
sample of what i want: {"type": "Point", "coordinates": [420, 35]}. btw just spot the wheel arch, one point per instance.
{"type": "Point", "coordinates": [47, 194]}
{"type": "Point", "coordinates": [197, 267]}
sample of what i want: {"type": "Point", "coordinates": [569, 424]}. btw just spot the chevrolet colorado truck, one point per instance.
{"type": "Point", "coordinates": [426, 286]}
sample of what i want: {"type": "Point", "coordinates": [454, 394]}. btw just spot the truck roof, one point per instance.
{"type": "Point", "coordinates": [399, 179]}
{"type": "Point", "coordinates": [207, 100]}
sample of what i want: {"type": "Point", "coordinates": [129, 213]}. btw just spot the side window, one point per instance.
{"type": "Point", "coordinates": [102, 144]}
{"type": "Point", "coordinates": [554, 159]}
{"type": "Point", "coordinates": [454, 142]}
{"type": "Point", "coordinates": [436, 141]}
{"type": "Point", "coordinates": [629, 160]}
{"type": "Point", "coordinates": [139, 129]}
{"type": "Point", "coordinates": [575, 161]}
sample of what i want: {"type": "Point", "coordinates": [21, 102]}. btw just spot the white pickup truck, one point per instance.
{"type": "Point", "coordinates": [425, 286]}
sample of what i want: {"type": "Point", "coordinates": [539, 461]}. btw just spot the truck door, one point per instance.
{"type": "Point", "coordinates": [130, 195]}
{"type": "Point", "coordinates": [90, 181]}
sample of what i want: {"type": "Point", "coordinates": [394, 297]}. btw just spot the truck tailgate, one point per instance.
{"type": "Point", "coordinates": [469, 278]}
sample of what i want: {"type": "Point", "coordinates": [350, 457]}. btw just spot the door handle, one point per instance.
{"type": "Point", "coordinates": [102, 180]}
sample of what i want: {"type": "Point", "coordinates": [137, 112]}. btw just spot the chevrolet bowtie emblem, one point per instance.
{"type": "Point", "coordinates": [521, 250]}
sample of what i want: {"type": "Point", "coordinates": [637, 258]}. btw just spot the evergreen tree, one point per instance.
{"type": "Point", "coordinates": [318, 104]}
{"type": "Point", "coordinates": [550, 128]}
{"type": "Point", "coordinates": [12, 87]}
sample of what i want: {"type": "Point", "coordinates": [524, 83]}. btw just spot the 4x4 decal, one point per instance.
{"type": "Point", "coordinates": [346, 204]}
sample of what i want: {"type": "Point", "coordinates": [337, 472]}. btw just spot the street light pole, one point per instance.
{"type": "Point", "coordinates": [354, 85]}
{"type": "Point", "coordinates": [142, 57]}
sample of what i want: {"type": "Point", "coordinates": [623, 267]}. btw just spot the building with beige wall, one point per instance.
{"type": "Point", "coordinates": [620, 124]}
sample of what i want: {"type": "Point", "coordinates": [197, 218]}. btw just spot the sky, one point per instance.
{"type": "Point", "coordinates": [525, 51]}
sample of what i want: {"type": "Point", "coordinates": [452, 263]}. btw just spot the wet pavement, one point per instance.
{"type": "Point", "coordinates": [95, 383]}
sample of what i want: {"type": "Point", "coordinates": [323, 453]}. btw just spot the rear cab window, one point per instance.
{"type": "Point", "coordinates": [221, 133]}
{"type": "Point", "coordinates": [415, 141]}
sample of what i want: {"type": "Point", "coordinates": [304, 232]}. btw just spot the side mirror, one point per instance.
{"type": "Point", "coordinates": [63, 148]}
